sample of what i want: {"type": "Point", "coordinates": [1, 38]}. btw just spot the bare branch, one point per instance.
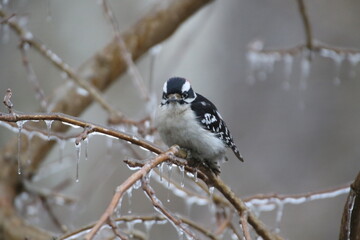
{"type": "Point", "coordinates": [244, 226]}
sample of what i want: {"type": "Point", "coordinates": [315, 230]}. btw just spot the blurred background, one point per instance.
{"type": "Point", "coordinates": [297, 133]}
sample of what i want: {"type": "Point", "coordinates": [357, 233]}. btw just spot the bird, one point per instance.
{"type": "Point", "coordinates": [191, 121]}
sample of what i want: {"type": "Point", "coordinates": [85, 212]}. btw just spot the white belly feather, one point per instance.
{"type": "Point", "coordinates": [177, 124]}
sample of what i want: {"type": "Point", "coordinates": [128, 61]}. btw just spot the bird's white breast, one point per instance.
{"type": "Point", "coordinates": [177, 124]}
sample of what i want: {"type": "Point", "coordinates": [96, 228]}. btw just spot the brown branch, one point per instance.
{"type": "Point", "coordinates": [306, 23]}
{"type": "Point", "coordinates": [244, 226]}
{"type": "Point", "coordinates": [126, 185]}
{"type": "Point", "coordinates": [350, 222]}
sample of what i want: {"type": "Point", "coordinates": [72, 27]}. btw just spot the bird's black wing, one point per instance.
{"type": "Point", "coordinates": [210, 119]}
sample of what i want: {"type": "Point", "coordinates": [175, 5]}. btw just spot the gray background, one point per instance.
{"type": "Point", "coordinates": [293, 140]}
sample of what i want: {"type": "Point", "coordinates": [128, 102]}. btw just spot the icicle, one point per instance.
{"type": "Point", "coordinates": [109, 145]}
{"type": "Point", "coordinates": [130, 226]}
{"type": "Point", "coordinates": [129, 193]}
{"type": "Point", "coordinates": [305, 71]}
{"type": "Point", "coordinates": [180, 233]}
{"type": "Point", "coordinates": [350, 203]}
{"type": "Point", "coordinates": [196, 175]}
{"type": "Point", "coordinates": [118, 208]}
{"type": "Point", "coordinates": [78, 152]}
{"type": "Point", "coordinates": [137, 184]}
{"type": "Point", "coordinates": [20, 126]}
{"type": "Point", "coordinates": [288, 63]}
{"type": "Point", "coordinates": [160, 166]}
{"type": "Point", "coordinates": [48, 125]}
{"type": "Point", "coordinates": [169, 180]}
{"type": "Point", "coordinates": [354, 59]}
{"type": "Point", "coordinates": [211, 191]}
{"type": "Point", "coordinates": [61, 149]}
{"type": "Point", "coordinates": [182, 171]}
{"type": "Point", "coordinates": [148, 225]}
{"type": "Point", "coordinates": [86, 144]}
{"type": "Point", "coordinates": [169, 173]}
{"type": "Point", "coordinates": [279, 214]}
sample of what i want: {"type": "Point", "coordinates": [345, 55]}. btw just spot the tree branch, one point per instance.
{"type": "Point", "coordinates": [350, 222]}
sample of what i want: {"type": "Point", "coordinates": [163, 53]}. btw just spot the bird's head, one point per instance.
{"type": "Point", "coordinates": [177, 90]}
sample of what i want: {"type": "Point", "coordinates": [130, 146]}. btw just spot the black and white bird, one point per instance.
{"type": "Point", "coordinates": [191, 121]}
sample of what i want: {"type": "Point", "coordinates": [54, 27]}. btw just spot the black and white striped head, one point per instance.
{"type": "Point", "coordinates": [177, 90]}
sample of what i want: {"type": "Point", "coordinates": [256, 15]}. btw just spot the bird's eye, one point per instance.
{"type": "Point", "coordinates": [164, 95]}
{"type": "Point", "coordinates": [185, 95]}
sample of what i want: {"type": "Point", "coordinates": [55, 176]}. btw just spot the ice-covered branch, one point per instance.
{"type": "Point", "coordinates": [90, 128]}
{"type": "Point", "coordinates": [138, 175]}
{"type": "Point", "coordinates": [178, 224]}
{"type": "Point", "coordinates": [273, 199]}
{"type": "Point", "coordinates": [262, 60]}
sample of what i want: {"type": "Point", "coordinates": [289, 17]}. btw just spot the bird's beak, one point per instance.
{"type": "Point", "coordinates": [174, 97]}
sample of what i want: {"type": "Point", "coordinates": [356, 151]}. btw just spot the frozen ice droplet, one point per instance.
{"type": "Point", "coordinates": [169, 173]}
{"type": "Point", "coordinates": [78, 153]}
{"type": "Point", "coordinates": [182, 171]}
{"type": "Point", "coordinates": [20, 127]}
{"type": "Point", "coordinates": [48, 126]}
{"type": "Point", "coordinates": [129, 193]}
{"type": "Point", "coordinates": [61, 149]}
{"type": "Point", "coordinates": [279, 214]}
{"type": "Point", "coordinates": [148, 225]}
{"type": "Point", "coordinates": [137, 184]}
{"type": "Point", "coordinates": [160, 166]}
{"type": "Point", "coordinates": [86, 144]}
{"type": "Point", "coordinates": [118, 208]}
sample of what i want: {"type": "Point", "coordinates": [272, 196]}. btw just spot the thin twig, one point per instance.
{"type": "Point", "coordinates": [159, 206]}
{"type": "Point", "coordinates": [125, 53]}
{"type": "Point", "coordinates": [306, 23]}
{"type": "Point", "coordinates": [39, 92]}
{"type": "Point", "coordinates": [244, 225]}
